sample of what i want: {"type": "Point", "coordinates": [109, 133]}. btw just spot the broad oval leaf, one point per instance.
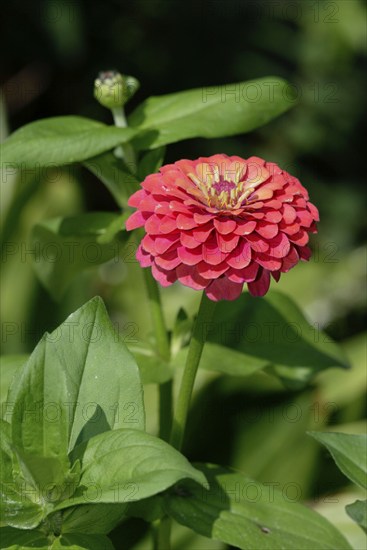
{"type": "Point", "coordinates": [60, 140]}
{"type": "Point", "coordinates": [81, 541]}
{"type": "Point", "coordinates": [93, 518]}
{"type": "Point", "coordinates": [80, 381]}
{"type": "Point", "coordinates": [222, 359]}
{"type": "Point", "coordinates": [20, 539]}
{"type": "Point", "coordinates": [63, 247]}
{"type": "Point", "coordinates": [153, 369]}
{"type": "Point", "coordinates": [358, 512]}
{"type": "Point", "coordinates": [127, 465]}
{"type": "Point", "coordinates": [9, 366]}
{"type": "Point", "coordinates": [248, 515]}
{"type": "Point", "coordinates": [210, 112]}
{"type": "Point", "coordinates": [150, 162]}
{"type": "Point", "coordinates": [271, 331]}
{"type": "Point", "coordinates": [20, 504]}
{"type": "Point", "coordinates": [115, 174]}
{"type": "Point", "coordinates": [349, 452]}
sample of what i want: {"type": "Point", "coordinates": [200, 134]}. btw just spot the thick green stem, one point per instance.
{"type": "Point", "coordinates": [197, 342]}
{"type": "Point", "coordinates": [162, 534]}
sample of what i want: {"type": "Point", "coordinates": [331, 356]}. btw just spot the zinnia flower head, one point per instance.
{"type": "Point", "coordinates": [216, 223]}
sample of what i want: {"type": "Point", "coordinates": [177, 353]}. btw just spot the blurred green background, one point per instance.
{"type": "Point", "coordinates": [55, 49]}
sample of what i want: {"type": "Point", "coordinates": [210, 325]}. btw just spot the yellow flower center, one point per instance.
{"type": "Point", "coordinates": [221, 189]}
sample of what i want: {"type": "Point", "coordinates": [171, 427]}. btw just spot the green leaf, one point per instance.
{"type": "Point", "coordinates": [222, 359]}
{"type": "Point", "coordinates": [19, 539]}
{"type": "Point", "coordinates": [215, 357]}
{"type": "Point", "coordinates": [358, 512]}
{"type": "Point", "coordinates": [149, 509]}
{"type": "Point", "coordinates": [272, 331]}
{"type": "Point", "coordinates": [349, 452]}
{"type": "Point", "coordinates": [181, 332]}
{"type": "Point", "coordinates": [114, 229]}
{"type": "Point", "coordinates": [332, 507]}
{"type": "Point", "coordinates": [115, 174]}
{"type": "Point", "coordinates": [210, 112]}
{"type": "Point", "coordinates": [63, 247]}
{"type": "Point", "coordinates": [9, 366]}
{"type": "Point", "coordinates": [93, 518]}
{"type": "Point", "coordinates": [153, 369]}
{"type": "Point", "coordinates": [60, 140]}
{"type": "Point", "coordinates": [344, 387]}
{"type": "Point", "coordinates": [20, 503]}
{"type": "Point", "coordinates": [17, 509]}
{"type": "Point", "coordinates": [48, 476]}
{"type": "Point", "coordinates": [57, 400]}
{"type": "Point", "coordinates": [151, 162]}
{"type": "Point", "coordinates": [248, 515]}
{"type": "Point", "coordinates": [81, 541]}
{"type": "Point", "coordinates": [80, 381]}
{"type": "Point", "coordinates": [265, 435]}
{"type": "Point", "coordinates": [128, 465]}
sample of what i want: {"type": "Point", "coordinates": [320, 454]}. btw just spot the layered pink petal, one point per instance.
{"type": "Point", "coordinates": [289, 213]}
{"type": "Point", "coordinates": [245, 275]}
{"type": "Point", "coordinates": [241, 256]}
{"type": "Point", "coordinates": [212, 271]}
{"type": "Point", "coordinates": [202, 232]}
{"type": "Point", "coordinates": [257, 243]}
{"type": "Point", "coordinates": [224, 289]}
{"type": "Point", "coordinates": [225, 226]}
{"type": "Point", "coordinates": [260, 286]}
{"type": "Point", "coordinates": [137, 219]}
{"type": "Point", "coordinates": [167, 225]}
{"type": "Point", "coordinates": [143, 257]}
{"type": "Point", "coordinates": [136, 198]}
{"type": "Point", "coordinates": [164, 277]}
{"type": "Point", "coordinates": [217, 222]}
{"type": "Point", "coordinates": [168, 261]}
{"type": "Point", "coordinates": [190, 256]}
{"type": "Point", "coordinates": [267, 230]}
{"type": "Point", "coordinates": [164, 242]}
{"type": "Point", "coordinates": [227, 243]}
{"type": "Point", "coordinates": [211, 253]}
{"type": "Point", "coordinates": [185, 222]}
{"type": "Point", "coordinates": [187, 240]}
{"type": "Point", "coordinates": [290, 260]}
{"type": "Point", "coordinates": [190, 276]}
{"type": "Point", "coordinates": [245, 227]}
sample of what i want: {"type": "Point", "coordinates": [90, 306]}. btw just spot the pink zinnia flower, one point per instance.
{"type": "Point", "coordinates": [216, 223]}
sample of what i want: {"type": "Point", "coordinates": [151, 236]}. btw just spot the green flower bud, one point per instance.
{"type": "Point", "coordinates": [112, 89]}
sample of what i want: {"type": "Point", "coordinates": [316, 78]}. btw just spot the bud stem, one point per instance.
{"type": "Point", "coordinates": [126, 152]}
{"type": "Point", "coordinates": [119, 117]}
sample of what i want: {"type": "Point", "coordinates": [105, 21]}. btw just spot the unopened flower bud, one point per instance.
{"type": "Point", "coordinates": [112, 89]}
